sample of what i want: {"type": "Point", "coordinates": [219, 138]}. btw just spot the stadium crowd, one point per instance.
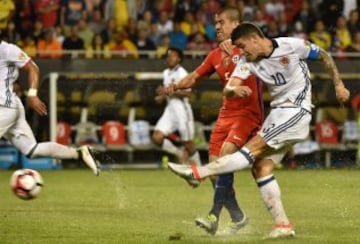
{"type": "Point", "coordinates": [128, 29]}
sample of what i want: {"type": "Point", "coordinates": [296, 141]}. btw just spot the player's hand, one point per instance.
{"type": "Point", "coordinates": [342, 94]}
{"type": "Point", "coordinates": [35, 103]}
{"type": "Point", "coordinates": [159, 99]}
{"type": "Point", "coordinates": [170, 89]}
{"type": "Point", "coordinates": [159, 90]}
{"type": "Point", "coordinates": [242, 91]}
{"type": "Point", "coordinates": [226, 46]}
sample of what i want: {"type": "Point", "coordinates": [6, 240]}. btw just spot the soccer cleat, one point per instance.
{"type": "Point", "coordinates": [280, 231]}
{"type": "Point", "coordinates": [234, 227]}
{"type": "Point", "coordinates": [209, 224]}
{"type": "Point", "coordinates": [85, 155]}
{"type": "Point", "coordinates": [186, 172]}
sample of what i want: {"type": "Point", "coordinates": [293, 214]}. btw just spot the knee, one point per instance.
{"type": "Point", "coordinates": [262, 168]}
{"type": "Point", "coordinates": [157, 137]}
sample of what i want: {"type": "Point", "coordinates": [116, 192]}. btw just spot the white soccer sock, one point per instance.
{"type": "Point", "coordinates": [195, 158]}
{"type": "Point", "coordinates": [54, 150]}
{"type": "Point", "coordinates": [227, 164]}
{"type": "Point", "coordinates": [169, 147]}
{"type": "Point", "coordinates": [271, 195]}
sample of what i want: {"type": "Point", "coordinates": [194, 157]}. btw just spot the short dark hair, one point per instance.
{"type": "Point", "coordinates": [232, 13]}
{"type": "Point", "coordinates": [246, 29]}
{"type": "Point", "coordinates": [178, 51]}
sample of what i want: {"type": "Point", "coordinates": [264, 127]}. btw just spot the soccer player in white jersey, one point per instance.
{"type": "Point", "coordinates": [178, 115]}
{"type": "Point", "coordinates": [280, 63]}
{"type": "Point", "coordinates": [13, 124]}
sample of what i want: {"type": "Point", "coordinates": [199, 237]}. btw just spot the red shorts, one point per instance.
{"type": "Point", "coordinates": [237, 130]}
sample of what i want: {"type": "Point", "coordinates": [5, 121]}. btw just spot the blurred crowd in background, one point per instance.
{"type": "Point", "coordinates": [130, 28]}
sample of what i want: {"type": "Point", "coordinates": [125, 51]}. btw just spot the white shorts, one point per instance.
{"type": "Point", "coordinates": [177, 116]}
{"type": "Point", "coordinates": [15, 128]}
{"type": "Point", "coordinates": [284, 127]}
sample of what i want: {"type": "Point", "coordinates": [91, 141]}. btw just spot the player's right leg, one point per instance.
{"type": "Point", "coordinates": [21, 136]}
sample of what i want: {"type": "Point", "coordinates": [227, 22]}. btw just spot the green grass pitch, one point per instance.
{"type": "Point", "coordinates": [148, 206]}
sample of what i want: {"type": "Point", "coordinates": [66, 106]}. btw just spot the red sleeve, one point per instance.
{"type": "Point", "coordinates": [206, 68]}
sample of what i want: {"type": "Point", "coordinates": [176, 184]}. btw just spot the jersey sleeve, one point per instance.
{"type": "Point", "coordinates": [206, 68]}
{"type": "Point", "coordinates": [305, 49]}
{"type": "Point", "coordinates": [242, 70]}
{"type": "Point", "coordinates": [17, 56]}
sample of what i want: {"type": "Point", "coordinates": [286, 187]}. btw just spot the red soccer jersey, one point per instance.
{"type": "Point", "coordinates": [223, 64]}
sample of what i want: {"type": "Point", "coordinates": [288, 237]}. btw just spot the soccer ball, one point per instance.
{"type": "Point", "coordinates": [26, 183]}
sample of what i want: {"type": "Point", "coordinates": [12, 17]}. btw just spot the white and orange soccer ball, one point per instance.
{"type": "Point", "coordinates": [26, 183]}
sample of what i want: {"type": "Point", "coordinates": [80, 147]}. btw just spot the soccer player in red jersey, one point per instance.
{"type": "Point", "coordinates": [238, 120]}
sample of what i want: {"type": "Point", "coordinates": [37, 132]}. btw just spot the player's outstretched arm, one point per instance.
{"type": "Point", "coordinates": [342, 94]}
{"type": "Point", "coordinates": [187, 82]}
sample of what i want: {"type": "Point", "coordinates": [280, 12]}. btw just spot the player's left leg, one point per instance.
{"type": "Point", "coordinates": [271, 195]}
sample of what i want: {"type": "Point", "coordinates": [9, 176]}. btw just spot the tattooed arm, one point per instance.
{"type": "Point", "coordinates": [342, 94]}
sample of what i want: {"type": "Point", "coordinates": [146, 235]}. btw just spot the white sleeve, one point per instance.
{"type": "Point", "coordinates": [17, 56]}
{"type": "Point", "coordinates": [182, 73]}
{"type": "Point", "coordinates": [242, 70]}
{"type": "Point", "coordinates": [305, 49]}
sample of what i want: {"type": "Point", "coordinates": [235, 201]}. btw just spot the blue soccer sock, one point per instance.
{"type": "Point", "coordinates": [231, 204]}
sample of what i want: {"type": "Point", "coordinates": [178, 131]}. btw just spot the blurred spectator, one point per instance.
{"type": "Point", "coordinates": [355, 44]}
{"type": "Point", "coordinates": [354, 22]}
{"type": "Point", "coordinates": [117, 10]}
{"type": "Point", "coordinates": [297, 31]}
{"type": "Point", "coordinates": [342, 38]}
{"type": "Point", "coordinates": [182, 7]}
{"type": "Point", "coordinates": [145, 21]}
{"type": "Point", "coordinates": [96, 22]}
{"type": "Point", "coordinates": [92, 5]}
{"type": "Point", "coordinates": [38, 31]}
{"type": "Point", "coordinates": [7, 9]}
{"type": "Point", "coordinates": [320, 36]}
{"type": "Point", "coordinates": [143, 42]}
{"type": "Point", "coordinates": [10, 34]}
{"type": "Point", "coordinates": [47, 12]}
{"type": "Point", "coordinates": [165, 6]}
{"type": "Point", "coordinates": [122, 46]}
{"type": "Point", "coordinates": [58, 34]}
{"type": "Point", "coordinates": [261, 19]}
{"type": "Point", "coordinates": [49, 47]}
{"type": "Point", "coordinates": [28, 45]}
{"type": "Point", "coordinates": [330, 11]}
{"type": "Point", "coordinates": [109, 31]}
{"type": "Point", "coordinates": [85, 33]}
{"type": "Point", "coordinates": [249, 10]}
{"type": "Point", "coordinates": [274, 8]}
{"type": "Point", "coordinates": [273, 30]}
{"type": "Point", "coordinates": [131, 29]}
{"type": "Point", "coordinates": [165, 25]}
{"type": "Point", "coordinates": [306, 16]}
{"type": "Point", "coordinates": [141, 7]}
{"type": "Point", "coordinates": [155, 36]}
{"type": "Point", "coordinates": [73, 43]}
{"type": "Point", "coordinates": [163, 47]}
{"type": "Point", "coordinates": [24, 16]}
{"type": "Point", "coordinates": [282, 23]}
{"type": "Point", "coordinates": [71, 12]}
{"type": "Point", "coordinates": [177, 37]}
{"type": "Point", "coordinates": [98, 49]}
{"type": "Point", "coordinates": [190, 25]}
{"type": "Point", "coordinates": [198, 42]}
{"type": "Point", "coordinates": [349, 5]}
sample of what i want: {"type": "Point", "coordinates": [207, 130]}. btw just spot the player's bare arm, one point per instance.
{"type": "Point", "coordinates": [32, 98]}
{"type": "Point", "coordinates": [342, 94]}
{"type": "Point", "coordinates": [187, 82]}
{"type": "Point", "coordinates": [234, 88]}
